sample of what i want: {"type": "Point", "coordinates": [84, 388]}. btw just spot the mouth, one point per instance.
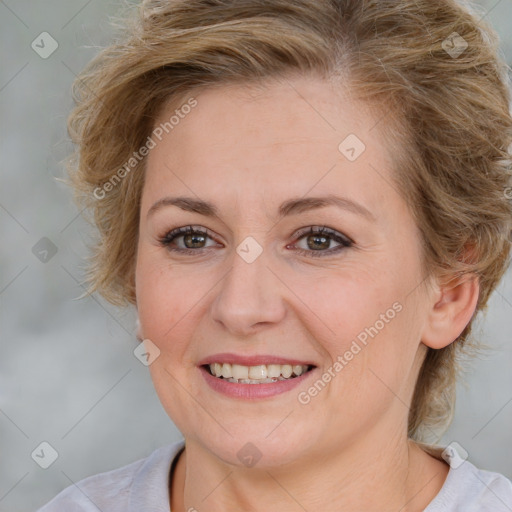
{"type": "Point", "coordinates": [258, 374]}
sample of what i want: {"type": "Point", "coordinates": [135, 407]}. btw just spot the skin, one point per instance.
{"type": "Point", "coordinates": [247, 150]}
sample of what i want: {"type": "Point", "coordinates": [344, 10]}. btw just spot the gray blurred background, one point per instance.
{"type": "Point", "coordinates": [68, 376]}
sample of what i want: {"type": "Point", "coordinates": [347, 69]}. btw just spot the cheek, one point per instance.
{"type": "Point", "coordinates": [364, 322]}
{"type": "Point", "coordinates": [170, 303]}
{"type": "Point", "coordinates": [163, 299]}
{"type": "Point", "coordinates": [347, 303]}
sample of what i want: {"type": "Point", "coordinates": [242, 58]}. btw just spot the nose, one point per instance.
{"type": "Point", "coordinates": [250, 297]}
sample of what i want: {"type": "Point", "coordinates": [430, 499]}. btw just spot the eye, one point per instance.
{"type": "Point", "coordinates": [193, 239]}
{"type": "Point", "coordinates": [320, 238]}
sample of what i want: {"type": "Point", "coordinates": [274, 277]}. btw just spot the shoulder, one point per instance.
{"type": "Point", "coordinates": [471, 489]}
{"type": "Point", "coordinates": [141, 485]}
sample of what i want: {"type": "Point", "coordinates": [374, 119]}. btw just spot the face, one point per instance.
{"type": "Point", "coordinates": [263, 276]}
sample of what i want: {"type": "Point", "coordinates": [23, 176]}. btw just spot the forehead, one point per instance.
{"type": "Point", "coordinates": [280, 139]}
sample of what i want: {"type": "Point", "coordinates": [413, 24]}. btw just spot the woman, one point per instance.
{"type": "Point", "coordinates": [307, 204]}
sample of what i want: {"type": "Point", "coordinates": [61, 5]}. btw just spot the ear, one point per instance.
{"type": "Point", "coordinates": [452, 307]}
{"type": "Point", "coordinates": [138, 329]}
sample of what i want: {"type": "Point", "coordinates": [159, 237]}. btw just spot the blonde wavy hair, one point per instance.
{"type": "Point", "coordinates": [449, 114]}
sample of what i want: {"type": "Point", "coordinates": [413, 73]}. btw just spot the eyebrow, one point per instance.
{"type": "Point", "coordinates": [290, 207]}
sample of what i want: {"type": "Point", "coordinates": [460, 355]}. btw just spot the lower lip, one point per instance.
{"type": "Point", "coordinates": [250, 391]}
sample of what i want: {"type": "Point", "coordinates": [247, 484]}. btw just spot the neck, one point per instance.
{"type": "Point", "coordinates": [390, 476]}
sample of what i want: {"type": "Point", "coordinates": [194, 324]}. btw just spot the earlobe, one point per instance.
{"type": "Point", "coordinates": [451, 311]}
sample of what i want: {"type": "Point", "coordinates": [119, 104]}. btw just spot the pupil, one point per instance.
{"type": "Point", "coordinates": [323, 245]}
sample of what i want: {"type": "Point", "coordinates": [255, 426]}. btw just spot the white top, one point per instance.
{"type": "Point", "coordinates": [143, 487]}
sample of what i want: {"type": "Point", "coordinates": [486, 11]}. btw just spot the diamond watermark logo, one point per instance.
{"type": "Point", "coordinates": [455, 455]}
{"type": "Point", "coordinates": [147, 352]}
{"type": "Point", "coordinates": [454, 45]}
{"type": "Point", "coordinates": [44, 455]}
{"type": "Point", "coordinates": [44, 250]}
{"type": "Point", "coordinates": [352, 147]}
{"type": "Point", "coordinates": [44, 45]}
{"type": "Point", "coordinates": [249, 455]}
{"type": "Point", "coordinates": [249, 249]}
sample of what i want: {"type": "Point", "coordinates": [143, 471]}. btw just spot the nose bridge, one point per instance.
{"type": "Point", "coordinates": [249, 293]}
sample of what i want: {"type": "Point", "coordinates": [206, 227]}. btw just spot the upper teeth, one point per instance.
{"type": "Point", "coordinates": [262, 371]}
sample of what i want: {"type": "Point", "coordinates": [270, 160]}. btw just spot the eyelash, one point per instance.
{"type": "Point", "coordinates": [343, 240]}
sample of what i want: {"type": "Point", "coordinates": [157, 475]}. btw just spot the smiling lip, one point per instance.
{"type": "Point", "coordinates": [252, 391]}
{"type": "Point", "coordinates": [227, 357]}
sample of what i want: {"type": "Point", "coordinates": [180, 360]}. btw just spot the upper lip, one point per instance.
{"type": "Point", "coordinates": [254, 360]}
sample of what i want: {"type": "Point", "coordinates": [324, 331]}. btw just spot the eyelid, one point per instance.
{"type": "Point", "coordinates": [172, 234]}
{"type": "Point", "coordinates": [343, 241]}
{"type": "Point", "coordinates": [313, 230]}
